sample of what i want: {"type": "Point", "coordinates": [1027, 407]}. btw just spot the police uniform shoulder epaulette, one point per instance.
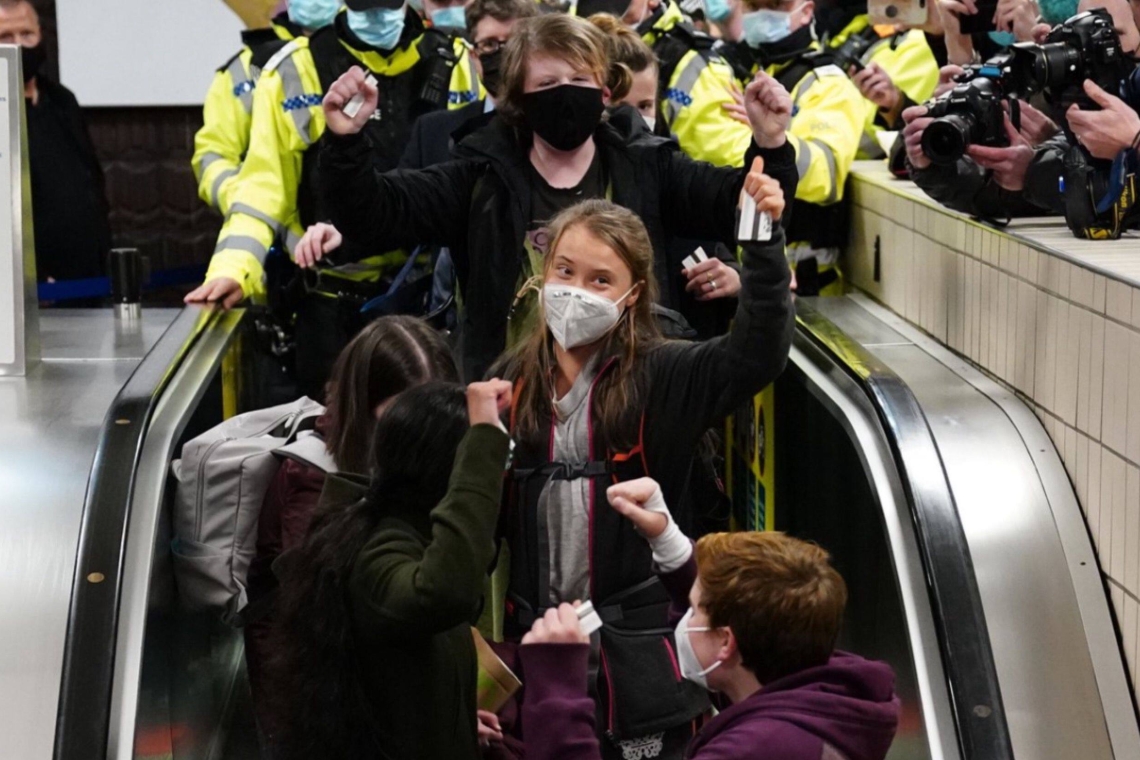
{"type": "Point", "coordinates": [693, 37]}
{"type": "Point", "coordinates": [822, 62]}
{"type": "Point", "coordinates": [287, 49]}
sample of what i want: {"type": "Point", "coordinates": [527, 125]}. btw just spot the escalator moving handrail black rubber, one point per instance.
{"type": "Point", "coordinates": [963, 637]}
{"type": "Point", "coordinates": [83, 720]}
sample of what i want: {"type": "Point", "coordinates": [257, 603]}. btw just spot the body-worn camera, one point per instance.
{"type": "Point", "coordinates": [970, 114]}
{"type": "Point", "coordinates": [1084, 47]}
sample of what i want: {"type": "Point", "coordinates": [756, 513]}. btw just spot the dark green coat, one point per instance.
{"type": "Point", "coordinates": [414, 593]}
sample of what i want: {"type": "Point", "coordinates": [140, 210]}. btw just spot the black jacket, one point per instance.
{"type": "Point", "coordinates": [968, 188]}
{"type": "Point", "coordinates": [479, 206]}
{"type": "Point", "coordinates": [433, 135]}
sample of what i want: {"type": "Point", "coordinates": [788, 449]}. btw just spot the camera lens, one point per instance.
{"type": "Point", "coordinates": [945, 140]}
{"type": "Point", "coordinates": [1055, 64]}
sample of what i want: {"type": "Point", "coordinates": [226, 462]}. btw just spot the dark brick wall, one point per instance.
{"type": "Point", "coordinates": [155, 207]}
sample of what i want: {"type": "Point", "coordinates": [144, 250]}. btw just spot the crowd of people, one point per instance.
{"type": "Point", "coordinates": [545, 201]}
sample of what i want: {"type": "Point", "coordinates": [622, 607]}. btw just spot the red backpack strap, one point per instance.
{"type": "Point", "coordinates": [636, 451]}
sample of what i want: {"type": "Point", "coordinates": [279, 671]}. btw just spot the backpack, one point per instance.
{"type": "Point", "coordinates": [223, 477]}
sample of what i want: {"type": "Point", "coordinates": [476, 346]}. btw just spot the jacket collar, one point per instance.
{"type": "Point", "coordinates": [285, 29]}
{"type": "Point", "coordinates": [389, 63]}
{"type": "Point", "coordinates": [661, 22]}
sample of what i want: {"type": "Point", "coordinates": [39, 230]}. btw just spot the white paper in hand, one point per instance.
{"type": "Point", "coordinates": [754, 227]}
{"type": "Point", "coordinates": [353, 106]}
{"type": "Point", "coordinates": [588, 618]}
{"type": "Point", "coordinates": [698, 257]}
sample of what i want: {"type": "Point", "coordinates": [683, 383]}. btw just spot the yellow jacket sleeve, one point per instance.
{"type": "Point", "coordinates": [222, 141]}
{"type": "Point", "coordinates": [911, 65]}
{"type": "Point", "coordinates": [827, 124]}
{"type": "Point", "coordinates": [287, 120]}
{"type": "Point", "coordinates": [694, 110]}
{"type": "Point", "coordinates": [465, 85]}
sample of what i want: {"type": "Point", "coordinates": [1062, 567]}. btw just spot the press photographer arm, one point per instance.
{"type": "Point", "coordinates": [1107, 132]}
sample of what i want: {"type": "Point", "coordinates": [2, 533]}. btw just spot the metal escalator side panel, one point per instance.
{"type": "Point", "coordinates": [967, 659]}
{"type": "Point", "coordinates": [843, 397]}
{"type": "Point", "coordinates": [88, 658]}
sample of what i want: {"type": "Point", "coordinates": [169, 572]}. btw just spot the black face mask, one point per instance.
{"type": "Point", "coordinates": [33, 59]}
{"type": "Point", "coordinates": [492, 71]}
{"type": "Point", "coordinates": [564, 116]}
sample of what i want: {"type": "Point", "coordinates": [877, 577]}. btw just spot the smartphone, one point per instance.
{"type": "Point", "coordinates": [908, 12]}
{"type": "Point", "coordinates": [982, 21]}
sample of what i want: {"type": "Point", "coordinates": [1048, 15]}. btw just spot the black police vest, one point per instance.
{"type": "Point", "coordinates": [403, 99]}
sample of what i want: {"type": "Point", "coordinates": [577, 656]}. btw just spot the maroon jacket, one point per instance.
{"type": "Point", "coordinates": [844, 710]}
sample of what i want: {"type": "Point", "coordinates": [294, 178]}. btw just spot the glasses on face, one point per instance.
{"type": "Point", "coordinates": [489, 46]}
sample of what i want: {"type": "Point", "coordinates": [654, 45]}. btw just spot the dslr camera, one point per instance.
{"type": "Point", "coordinates": [1084, 47]}
{"type": "Point", "coordinates": [969, 114]}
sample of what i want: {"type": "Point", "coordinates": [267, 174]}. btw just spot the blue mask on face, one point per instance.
{"type": "Point", "coordinates": [379, 27]}
{"type": "Point", "coordinates": [1005, 39]}
{"type": "Point", "coordinates": [313, 14]}
{"type": "Point", "coordinates": [417, 6]}
{"type": "Point", "coordinates": [452, 17]}
{"type": "Point", "coordinates": [717, 10]}
{"type": "Point", "coordinates": [764, 27]}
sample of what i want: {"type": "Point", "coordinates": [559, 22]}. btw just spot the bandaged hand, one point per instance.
{"type": "Point", "coordinates": [642, 503]}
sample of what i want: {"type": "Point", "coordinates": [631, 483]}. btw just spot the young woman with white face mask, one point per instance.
{"type": "Point", "coordinates": [602, 398]}
{"type": "Point", "coordinates": [757, 618]}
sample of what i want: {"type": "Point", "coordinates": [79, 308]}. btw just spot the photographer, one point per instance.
{"type": "Point", "coordinates": [1023, 179]}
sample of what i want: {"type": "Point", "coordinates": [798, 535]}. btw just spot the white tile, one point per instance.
{"type": "Point", "coordinates": [986, 317]}
{"type": "Point", "coordinates": [1007, 255]}
{"type": "Point", "coordinates": [1026, 337]}
{"type": "Point", "coordinates": [1068, 353]}
{"type": "Point", "coordinates": [1119, 516]}
{"type": "Point", "coordinates": [1081, 286]}
{"type": "Point", "coordinates": [1042, 275]}
{"type": "Point", "coordinates": [1023, 262]}
{"type": "Point", "coordinates": [1136, 307]}
{"type": "Point", "coordinates": [1062, 275]}
{"type": "Point", "coordinates": [1111, 473]}
{"type": "Point", "coordinates": [1098, 295]}
{"type": "Point", "coordinates": [1128, 632]}
{"type": "Point", "coordinates": [1083, 337]}
{"type": "Point", "coordinates": [1096, 464]}
{"type": "Point", "coordinates": [1131, 577]}
{"type": "Point", "coordinates": [1046, 381]}
{"type": "Point", "coordinates": [1133, 435]}
{"type": "Point", "coordinates": [1118, 301]}
{"type": "Point", "coordinates": [1096, 386]}
{"type": "Point", "coordinates": [1007, 327]}
{"type": "Point", "coordinates": [1071, 436]}
{"type": "Point", "coordinates": [1117, 351]}
{"type": "Point", "coordinates": [953, 299]}
{"type": "Point", "coordinates": [970, 309]}
{"type": "Point", "coordinates": [1081, 477]}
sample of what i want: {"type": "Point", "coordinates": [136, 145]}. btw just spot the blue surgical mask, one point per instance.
{"type": "Point", "coordinates": [765, 26]}
{"type": "Point", "coordinates": [717, 10]}
{"type": "Point", "coordinates": [1055, 12]}
{"type": "Point", "coordinates": [417, 6]}
{"type": "Point", "coordinates": [379, 27]}
{"type": "Point", "coordinates": [1005, 39]}
{"type": "Point", "coordinates": [451, 17]}
{"type": "Point", "coordinates": [313, 14]}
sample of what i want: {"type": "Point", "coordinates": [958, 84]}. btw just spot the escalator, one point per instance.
{"type": "Point", "coordinates": [937, 492]}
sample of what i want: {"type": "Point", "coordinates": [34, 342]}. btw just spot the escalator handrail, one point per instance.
{"type": "Point", "coordinates": [963, 637]}
{"type": "Point", "coordinates": [83, 718]}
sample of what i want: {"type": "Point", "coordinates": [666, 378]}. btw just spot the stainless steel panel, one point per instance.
{"type": "Point", "coordinates": [50, 422]}
{"type": "Point", "coordinates": [1049, 686]}
{"type": "Point", "coordinates": [147, 605]}
{"type": "Point", "coordinates": [840, 394]}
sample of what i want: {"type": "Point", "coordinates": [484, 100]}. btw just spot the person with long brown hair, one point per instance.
{"type": "Point", "coordinates": [547, 148]}
{"type": "Point", "coordinates": [601, 398]}
{"type": "Point", "coordinates": [388, 356]}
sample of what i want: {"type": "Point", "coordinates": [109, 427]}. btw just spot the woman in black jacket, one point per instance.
{"type": "Point", "coordinates": [601, 398]}
{"type": "Point", "coordinates": [548, 148]}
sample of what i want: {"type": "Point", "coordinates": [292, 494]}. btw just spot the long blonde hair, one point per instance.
{"type": "Point", "coordinates": [572, 39]}
{"type": "Point", "coordinates": [617, 397]}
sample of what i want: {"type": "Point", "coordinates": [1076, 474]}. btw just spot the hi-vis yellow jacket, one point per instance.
{"type": "Point", "coordinates": [222, 142]}
{"type": "Point", "coordinates": [908, 61]}
{"type": "Point", "coordinates": [287, 121]}
{"type": "Point", "coordinates": [693, 107]}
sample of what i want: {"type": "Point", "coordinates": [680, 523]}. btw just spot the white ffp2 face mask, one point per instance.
{"type": "Point", "coordinates": [578, 317]}
{"type": "Point", "coordinates": [687, 656]}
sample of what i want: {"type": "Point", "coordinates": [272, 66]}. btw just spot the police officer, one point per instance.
{"type": "Point", "coordinates": [222, 142]}
{"type": "Point", "coordinates": [417, 71]}
{"type": "Point", "coordinates": [894, 68]}
{"type": "Point", "coordinates": [827, 124]}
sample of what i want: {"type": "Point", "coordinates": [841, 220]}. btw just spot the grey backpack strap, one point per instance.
{"type": "Point", "coordinates": [309, 448]}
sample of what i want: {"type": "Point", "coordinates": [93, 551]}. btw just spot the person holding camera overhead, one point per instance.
{"type": "Point", "coordinates": [1022, 177]}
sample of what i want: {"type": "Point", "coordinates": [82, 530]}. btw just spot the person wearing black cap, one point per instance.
{"type": "Point", "coordinates": [419, 70]}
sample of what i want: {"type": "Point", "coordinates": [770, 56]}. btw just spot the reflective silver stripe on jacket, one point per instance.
{"type": "Point", "coordinates": [295, 98]}
{"type": "Point", "coordinates": [833, 190]}
{"type": "Point", "coordinates": [680, 94]}
{"type": "Point", "coordinates": [289, 237]}
{"type": "Point", "coordinates": [216, 187]}
{"type": "Point", "coordinates": [243, 83]}
{"type": "Point", "coordinates": [803, 157]}
{"type": "Point", "coordinates": [243, 243]}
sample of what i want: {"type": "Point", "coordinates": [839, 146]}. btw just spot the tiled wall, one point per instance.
{"type": "Point", "coordinates": [1064, 337]}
